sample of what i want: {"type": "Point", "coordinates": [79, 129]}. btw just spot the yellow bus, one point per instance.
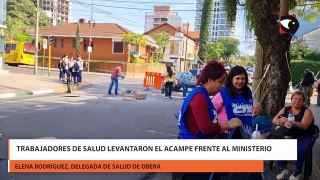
{"type": "Point", "coordinates": [19, 53]}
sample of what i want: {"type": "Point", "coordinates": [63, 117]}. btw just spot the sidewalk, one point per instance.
{"type": "Point", "coordinates": [20, 81]}
{"type": "Point", "coordinates": [19, 85]}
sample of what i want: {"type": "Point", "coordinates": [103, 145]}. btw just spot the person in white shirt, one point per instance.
{"type": "Point", "coordinates": [81, 69]}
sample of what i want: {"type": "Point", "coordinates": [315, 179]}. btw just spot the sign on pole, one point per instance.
{"type": "Point", "coordinates": [45, 43]}
{"type": "Point", "coordinates": [175, 62]}
{"type": "Point", "coordinates": [89, 49]}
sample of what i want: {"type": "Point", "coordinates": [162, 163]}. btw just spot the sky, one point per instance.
{"type": "Point", "coordinates": [131, 15]}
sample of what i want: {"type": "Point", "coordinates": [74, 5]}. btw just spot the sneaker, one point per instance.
{"type": "Point", "coordinates": [170, 97]}
{"type": "Point", "coordinates": [167, 97]}
{"type": "Point", "coordinates": [109, 93]}
{"type": "Point", "coordinates": [295, 176]}
{"type": "Point", "coordinates": [283, 174]}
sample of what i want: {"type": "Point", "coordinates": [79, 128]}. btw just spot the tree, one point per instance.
{"type": "Point", "coordinates": [136, 40]}
{"type": "Point", "coordinates": [215, 50]}
{"type": "Point", "coordinates": [262, 17]}
{"type": "Point", "coordinates": [162, 40]}
{"type": "Point", "coordinates": [299, 51]}
{"type": "Point", "coordinates": [21, 16]}
{"type": "Point", "coordinates": [78, 47]}
{"type": "Point", "coordinates": [204, 29]}
{"type": "Point", "coordinates": [230, 46]}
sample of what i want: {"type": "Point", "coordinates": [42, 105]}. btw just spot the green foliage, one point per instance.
{"type": "Point", "coordinates": [204, 29]}
{"type": "Point", "coordinates": [21, 16]}
{"type": "Point", "coordinates": [134, 39]}
{"type": "Point", "coordinates": [299, 51]}
{"type": "Point", "coordinates": [78, 47]}
{"type": "Point", "coordinates": [21, 37]}
{"type": "Point", "coordinates": [298, 67]}
{"type": "Point", "coordinates": [307, 10]}
{"type": "Point", "coordinates": [215, 50]}
{"type": "Point", "coordinates": [231, 9]}
{"type": "Point", "coordinates": [162, 40]}
{"type": "Point", "coordinates": [313, 56]}
{"type": "Point", "coordinates": [230, 46]}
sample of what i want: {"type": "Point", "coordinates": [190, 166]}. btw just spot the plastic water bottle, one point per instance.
{"type": "Point", "coordinates": [256, 134]}
{"type": "Point", "coordinates": [291, 118]}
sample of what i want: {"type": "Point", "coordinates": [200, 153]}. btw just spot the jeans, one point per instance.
{"type": "Point", "coordinates": [80, 76]}
{"type": "Point", "coordinates": [168, 89]}
{"type": "Point", "coordinates": [75, 77]}
{"type": "Point", "coordinates": [114, 81]}
{"type": "Point", "coordinates": [61, 75]}
{"type": "Point", "coordinates": [303, 144]}
{"type": "Point", "coordinates": [185, 89]}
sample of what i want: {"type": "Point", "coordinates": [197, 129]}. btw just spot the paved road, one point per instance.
{"type": "Point", "coordinates": [87, 114]}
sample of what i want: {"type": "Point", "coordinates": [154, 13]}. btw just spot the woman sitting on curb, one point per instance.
{"type": "Point", "coordinates": [301, 130]}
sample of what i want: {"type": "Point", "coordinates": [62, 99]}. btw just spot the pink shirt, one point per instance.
{"type": "Point", "coordinates": [221, 110]}
{"type": "Point", "coordinates": [116, 72]}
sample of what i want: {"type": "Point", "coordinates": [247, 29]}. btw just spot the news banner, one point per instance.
{"type": "Point", "coordinates": [142, 155]}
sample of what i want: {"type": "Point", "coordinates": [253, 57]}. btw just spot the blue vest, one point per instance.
{"type": "Point", "coordinates": [184, 133]}
{"type": "Point", "coordinates": [241, 108]}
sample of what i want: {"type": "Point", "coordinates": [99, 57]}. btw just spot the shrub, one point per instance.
{"type": "Point", "coordinates": [314, 56]}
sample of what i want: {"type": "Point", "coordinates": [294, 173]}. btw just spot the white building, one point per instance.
{"type": "Point", "coordinates": [160, 15]}
{"type": "Point", "coordinates": [311, 39]}
{"type": "Point", "coordinates": [56, 10]}
{"type": "Point", "coordinates": [182, 47]}
{"type": "Point", "coordinates": [219, 26]}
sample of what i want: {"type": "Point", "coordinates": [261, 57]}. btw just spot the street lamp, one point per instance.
{"type": "Point", "coordinates": [36, 43]}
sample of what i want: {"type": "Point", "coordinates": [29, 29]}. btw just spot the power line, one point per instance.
{"type": "Point", "coordinates": [124, 20]}
{"type": "Point", "coordinates": [150, 2]}
{"type": "Point", "coordinates": [135, 8]}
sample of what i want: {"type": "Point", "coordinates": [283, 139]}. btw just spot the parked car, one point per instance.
{"type": "Point", "coordinates": [193, 82]}
{"type": "Point", "coordinates": [250, 75]}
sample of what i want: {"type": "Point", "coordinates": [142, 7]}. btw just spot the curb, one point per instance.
{"type": "Point", "coordinates": [41, 92]}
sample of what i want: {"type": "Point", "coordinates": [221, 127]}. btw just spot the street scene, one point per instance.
{"type": "Point", "coordinates": [125, 69]}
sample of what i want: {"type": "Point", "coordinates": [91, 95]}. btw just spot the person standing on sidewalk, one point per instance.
{"type": "Point", "coordinates": [169, 79]}
{"type": "Point", "coordinates": [114, 79]}
{"type": "Point", "coordinates": [70, 69]}
{"type": "Point", "coordinates": [306, 84]}
{"type": "Point", "coordinates": [76, 72]}
{"type": "Point", "coordinates": [186, 77]}
{"type": "Point", "coordinates": [61, 75]}
{"type": "Point", "coordinates": [80, 70]}
{"type": "Point", "coordinates": [64, 68]}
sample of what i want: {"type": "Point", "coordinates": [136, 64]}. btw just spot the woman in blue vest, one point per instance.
{"type": "Point", "coordinates": [197, 113]}
{"type": "Point", "coordinates": [235, 101]}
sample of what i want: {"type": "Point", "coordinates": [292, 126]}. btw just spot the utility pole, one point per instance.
{"type": "Point", "coordinates": [91, 25]}
{"type": "Point", "coordinates": [36, 43]}
{"type": "Point", "coordinates": [185, 53]}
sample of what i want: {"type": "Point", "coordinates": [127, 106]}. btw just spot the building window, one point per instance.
{"type": "Point", "coordinates": [13, 47]}
{"type": "Point", "coordinates": [62, 43]}
{"type": "Point", "coordinates": [117, 47]}
{"type": "Point", "coordinates": [55, 42]}
{"type": "Point", "coordinates": [165, 30]}
{"type": "Point", "coordinates": [174, 47]}
{"type": "Point", "coordinates": [74, 43]}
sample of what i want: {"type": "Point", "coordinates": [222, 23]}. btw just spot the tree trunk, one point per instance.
{"type": "Point", "coordinates": [275, 47]}
{"type": "Point", "coordinates": [258, 72]}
